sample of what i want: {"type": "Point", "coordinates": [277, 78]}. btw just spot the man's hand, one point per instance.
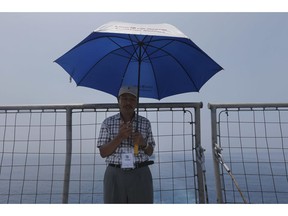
{"type": "Point", "coordinates": [125, 130]}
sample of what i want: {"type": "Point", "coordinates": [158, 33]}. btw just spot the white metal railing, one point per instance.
{"type": "Point", "coordinates": [48, 153]}
{"type": "Point", "coordinates": [250, 143]}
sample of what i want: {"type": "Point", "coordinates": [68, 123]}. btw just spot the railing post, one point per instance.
{"type": "Point", "coordinates": [215, 161]}
{"type": "Point", "coordinates": [68, 158]}
{"type": "Point", "coordinates": [198, 148]}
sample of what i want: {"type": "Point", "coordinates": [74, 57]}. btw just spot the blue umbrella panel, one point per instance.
{"type": "Point", "coordinates": [160, 66]}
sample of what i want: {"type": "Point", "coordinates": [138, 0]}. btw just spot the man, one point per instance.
{"type": "Point", "coordinates": [127, 177]}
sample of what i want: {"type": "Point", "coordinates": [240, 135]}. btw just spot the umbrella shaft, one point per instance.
{"type": "Point", "coordinates": [138, 85]}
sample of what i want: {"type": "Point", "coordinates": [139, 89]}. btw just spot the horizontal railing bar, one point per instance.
{"type": "Point", "coordinates": [100, 106]}
{"type": "Point", "coordinates": [247, 105]}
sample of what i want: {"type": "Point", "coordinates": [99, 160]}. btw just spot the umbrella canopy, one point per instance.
{"type": "Point", "coordinates": [158, 58]}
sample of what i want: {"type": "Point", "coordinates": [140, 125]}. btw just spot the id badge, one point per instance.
{"type": "Point", "coordinates": [127, 160]}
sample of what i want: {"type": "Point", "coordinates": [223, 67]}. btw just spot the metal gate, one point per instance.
{"type": "Point", "coordinates": [48, 153]}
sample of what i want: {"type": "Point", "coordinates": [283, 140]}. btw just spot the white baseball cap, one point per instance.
{"type": "Point", "coordinates": [129, 90]}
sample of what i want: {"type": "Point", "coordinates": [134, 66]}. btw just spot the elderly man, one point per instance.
{"type": "Point", "coordinates": [127, 177]}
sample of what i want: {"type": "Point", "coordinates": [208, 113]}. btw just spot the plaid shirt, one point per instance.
{"type": "Point", "coordinates": [109, 130]}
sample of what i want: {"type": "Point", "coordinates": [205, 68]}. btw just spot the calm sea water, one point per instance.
{"type": "Point", "coordinates": [44, 184]}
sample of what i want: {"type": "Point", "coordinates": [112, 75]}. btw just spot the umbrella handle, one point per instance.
{"type": "Point", "coordinates": [136, 148]}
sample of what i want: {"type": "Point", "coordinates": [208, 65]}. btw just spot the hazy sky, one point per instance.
{"type": "Point", "coordinates": [251, 47]}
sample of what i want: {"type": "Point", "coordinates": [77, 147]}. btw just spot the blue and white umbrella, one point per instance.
{"type": "Point", "coordinates": [158, 58]}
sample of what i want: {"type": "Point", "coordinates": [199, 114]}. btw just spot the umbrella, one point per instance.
{"type": "Point", "coordinates": [157, 58]}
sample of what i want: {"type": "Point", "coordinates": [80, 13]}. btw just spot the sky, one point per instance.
{"type": "Point", "coordinates": [251, 47]}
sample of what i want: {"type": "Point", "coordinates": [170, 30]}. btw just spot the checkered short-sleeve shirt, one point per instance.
{"type": "Point", "coordinates": [109, 130]}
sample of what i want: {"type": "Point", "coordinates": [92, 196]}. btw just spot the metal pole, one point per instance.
{"type": "Point", "coordinates": [215, 161]}
{"type": "Point", "coordinates": [68, 158]}
{"type": "Point", "coordinates": [136, 144]}
{"type": "Point", "coordinates": [140, 43]}
{"type": "Point", "coordinates": [199, 165]}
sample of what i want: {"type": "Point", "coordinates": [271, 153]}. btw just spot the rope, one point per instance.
{"type": "Point", "coordinates": [217, 151]}
{"type": "Point", "coordinates": [201, 160]}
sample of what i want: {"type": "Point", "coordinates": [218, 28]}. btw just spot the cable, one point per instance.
{"type": "Point", "coordinates": [217, 151]}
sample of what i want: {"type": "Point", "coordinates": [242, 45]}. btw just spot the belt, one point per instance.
{"type": "Point", "coordinates": [136, 165]}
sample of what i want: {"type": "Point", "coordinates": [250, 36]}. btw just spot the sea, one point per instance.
{"type": "Point", "coordinates": [172, 183]}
